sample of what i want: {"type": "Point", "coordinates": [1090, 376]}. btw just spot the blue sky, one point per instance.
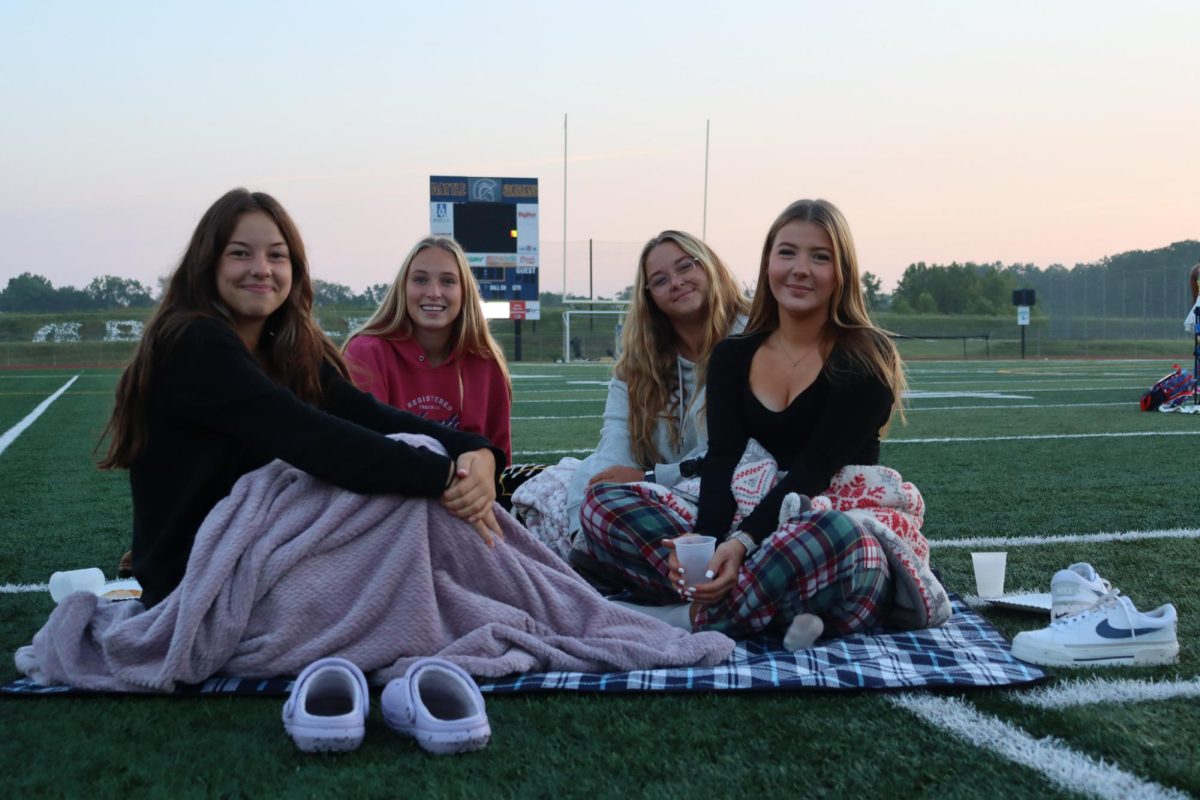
{"type": "Point", "coordinates": [1020, 131]}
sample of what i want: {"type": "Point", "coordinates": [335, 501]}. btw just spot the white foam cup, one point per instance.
{"type": "Point", "coordinates": [76, 580]}
{"type": "Point", "coordinates": [694, 552]}
{"type": "Point", "coordinates": [989, 573]}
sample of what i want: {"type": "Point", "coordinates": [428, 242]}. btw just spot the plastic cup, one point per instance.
{"type": "Point", "coordinates": [694, 553]}
{"type": "Point", "coordinates": [989, 573]}
{"type": "Point", "coordinates": [76, 580]}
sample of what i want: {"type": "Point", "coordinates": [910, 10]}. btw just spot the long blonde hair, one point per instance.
{"type": "Point", "coordinates": [649, 350]}
{"type": "Point", "coordinates": [469, 332]}
{"type": "Point", "coordinates": [849, 323]}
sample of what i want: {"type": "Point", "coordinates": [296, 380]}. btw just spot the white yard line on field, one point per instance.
{"type": "Point", "coordinates": [1088, 691]}
{"type": "Point", "coordinates": [1039, 437]}
{"type": "Point", "coordinates": [911, 409]}
{"type": "Point", "coordinates": [1037, 365]}
{"type": "Point", "coordinates": [929, 394]}
{"type": "Point", "coordinates": [21, 588]}
{"type": "Point", "coordinates": [934, 440]}
{"type": "Point", "coordinates": [596, 399]}
{"type": "Point", "coordinates": [1059, 764]}
{"type": "Point", "coordinates": [1035, 389]}
{"type": "Point", "coordinates": [11, 435]}
{"type": "Point", "coordinates": [590, 391]}
{"type": "Point", "coordinates": [1026, 541]}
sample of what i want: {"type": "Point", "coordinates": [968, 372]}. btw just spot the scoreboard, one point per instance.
{"type": "Point", "coordinates": [495, 220]}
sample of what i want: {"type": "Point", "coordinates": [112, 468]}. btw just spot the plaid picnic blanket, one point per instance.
{"type": "Point", "coordinates": [966, 651]}
{"type": "Point", "coordinates": [213, 687]}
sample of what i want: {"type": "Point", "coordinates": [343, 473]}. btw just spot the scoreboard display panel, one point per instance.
{"type": "Point", "coordinates": [495, 220]}
{"type": "Point", "coordinates": [486, 227]}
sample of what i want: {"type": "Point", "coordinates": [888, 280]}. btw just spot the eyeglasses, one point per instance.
{"type": "Point", "coordinates": [661, 282]}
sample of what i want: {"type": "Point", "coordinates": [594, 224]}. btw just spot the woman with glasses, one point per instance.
{"type": "Point", "coordinates": [685, 300]}
{"type": "Point", "coordinates": [815, 382]}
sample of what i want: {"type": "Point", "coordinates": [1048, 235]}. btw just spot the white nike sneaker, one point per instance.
{"type": "Point", "coordinates": [1075, 589]}
{"type": "Point", "coordinates": [1110, 633]}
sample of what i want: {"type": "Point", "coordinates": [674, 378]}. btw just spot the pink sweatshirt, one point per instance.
{"type": "Point", "coordinates": [397, 373]}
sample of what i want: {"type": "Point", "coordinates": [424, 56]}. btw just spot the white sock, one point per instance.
{"type": "Point", "coordinates": [804, 630]}
{"type": "Point", "coordinates": [675, 615]}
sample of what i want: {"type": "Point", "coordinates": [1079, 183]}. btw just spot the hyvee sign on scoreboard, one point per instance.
{"type": "Point", "coordinates": [496, 222]}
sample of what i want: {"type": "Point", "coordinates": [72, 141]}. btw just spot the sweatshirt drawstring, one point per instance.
{"type": "Point", "coordinates": [682, 396]}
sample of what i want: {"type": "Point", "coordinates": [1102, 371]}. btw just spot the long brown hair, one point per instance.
{"type": "Point", "coordinates": [469, 332]}
{"type": "Point", "coordinates": [849, 323]}
{"type": "Point", "coordinates": [647, 362]}
{"type": "Point", "coordinates": [291, 350]}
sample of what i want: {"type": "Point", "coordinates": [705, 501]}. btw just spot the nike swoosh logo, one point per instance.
{"type": "Point", "coordinates": [1109, 632]}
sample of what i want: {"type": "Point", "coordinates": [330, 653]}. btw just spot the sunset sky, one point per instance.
{"type": "Point", "coordinates": [1043, 132]}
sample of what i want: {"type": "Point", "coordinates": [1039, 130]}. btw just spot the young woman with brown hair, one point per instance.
{"type": "Point", "coordinates": [233, 371]}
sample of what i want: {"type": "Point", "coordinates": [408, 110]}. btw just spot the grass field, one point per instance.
{"type": "Point", "coordinates": [1053, 452]}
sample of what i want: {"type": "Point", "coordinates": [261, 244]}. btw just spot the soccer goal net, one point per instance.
{"type": "Point", "coordinates": [591, 334]}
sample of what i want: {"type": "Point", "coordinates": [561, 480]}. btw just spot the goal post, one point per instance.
{"type": "Point", "coordinates": [615, 315]}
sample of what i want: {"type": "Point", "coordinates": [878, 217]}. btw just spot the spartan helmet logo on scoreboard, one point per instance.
{"type": "Point", "coordinates": [485, 190]}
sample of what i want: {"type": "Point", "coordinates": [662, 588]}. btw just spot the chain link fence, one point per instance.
{"type": "Point", "coordinates": [1084, 312]}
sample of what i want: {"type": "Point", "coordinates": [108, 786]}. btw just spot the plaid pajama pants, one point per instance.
{"type": "Point", "coordinates": [819, 563]}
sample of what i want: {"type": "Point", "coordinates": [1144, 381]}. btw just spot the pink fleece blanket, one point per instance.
{"type": "Point", "coordinates": [288, 569]}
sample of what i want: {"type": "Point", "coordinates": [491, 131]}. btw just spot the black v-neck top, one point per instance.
{"type": "Point", "coordinates": [833, 423]}
{"type": "Point", "coordinates": [214, 415]}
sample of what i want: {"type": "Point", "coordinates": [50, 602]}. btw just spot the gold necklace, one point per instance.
{"type": "Point", "coordinates": [788, 355]}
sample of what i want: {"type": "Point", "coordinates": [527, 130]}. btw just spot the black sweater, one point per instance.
{"type": "Point", "coordinates": [215, 415]}
{"type": "Point", "coordinates": [832, 423]}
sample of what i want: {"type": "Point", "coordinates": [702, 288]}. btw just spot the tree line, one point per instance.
{"type": "Point", "coordinates": [30, 292]}
{"type": "Point", "coordinates": [1137, 283]}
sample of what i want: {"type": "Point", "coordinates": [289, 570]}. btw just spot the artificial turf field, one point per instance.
{"type": "Point", "coordinates": [1040, 457]}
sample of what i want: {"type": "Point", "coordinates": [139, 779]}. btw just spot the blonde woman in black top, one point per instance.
{"type": "Point", "coordinates": [815, 382]}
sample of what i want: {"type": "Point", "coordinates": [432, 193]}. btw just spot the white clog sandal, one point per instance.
{"type": "Point", "coordinates": [327, 709]}
{"type": "Point", "coordinates": [438, 704]}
